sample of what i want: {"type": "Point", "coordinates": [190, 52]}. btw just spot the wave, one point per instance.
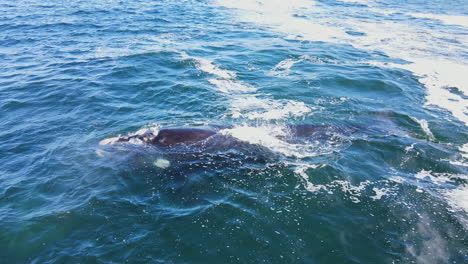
{"type": "Point", "coordinates": [434, 55]}
{"type": "Point", "coordinates": [245, 99]}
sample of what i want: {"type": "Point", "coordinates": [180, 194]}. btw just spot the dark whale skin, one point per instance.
{"type": "Point", "coordinates": [172, 136]}
{"type": "Point", "coordinates": [188, 135]}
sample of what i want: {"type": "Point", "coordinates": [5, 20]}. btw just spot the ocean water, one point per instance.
{"type": "Point", "coordinates": [393, 190]}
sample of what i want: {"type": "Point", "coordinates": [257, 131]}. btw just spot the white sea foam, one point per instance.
{"type": "Point", "coordinates": [446, 185]}
{"type": "Point", "coordinates": [270, 138]}
{"type": "Point", "coordinates": [354, 191]}
{"type": "Point", "coordinates": [285, 64]}
{"type": "Point", "coordinates": [438, 75]}
{"type": "Point", "coordinates": [301, 171]}
{"type": "Point", "coordinates": [437, 179]}
{"type": "Point", "coordinates": [432, 59]}
{"type": "Point", "coordinates": [208, 66]}
{"type": "Point", "coordinates": [464, 150]}
{"type": "Point", "coordinates": [355, 1]}
{"type": "Point", "coordinates": [282, 16]}
{"type": "Point", "coordinates": [283, 67]}
{"type": "Point", "coordinates": [380, 192]}
{"type": "Point", "coordinates": [268, 7]}
{"type": "Point", "coordinates": [457, 196]}
{"type": "Point", "coordinates": [254, 107]}
{"type": "Point", "coordinates": [463, 159]}
{"type": "Point", "coordinates": [410, 148]}
{"type": "Point", "coordinates": [446, 19]}
{"type": "Point", "coordinates": [425, 127]}
{"type": "Point", "coordinates": [440, 178]}
{"type": "Point", "coordinates": [435, 56]}
{"type": "Point", "coordinates": [232, 86]}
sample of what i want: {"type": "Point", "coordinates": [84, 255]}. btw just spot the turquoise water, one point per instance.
{"type": "Point", "coordinates": [74, 73]}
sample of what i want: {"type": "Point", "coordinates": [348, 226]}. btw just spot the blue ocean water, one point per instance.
{"type": "Point", "coordinates": [77, 73]}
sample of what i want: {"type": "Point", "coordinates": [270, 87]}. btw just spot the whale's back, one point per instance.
{"type": "Point", "coordinates": [172, 136]}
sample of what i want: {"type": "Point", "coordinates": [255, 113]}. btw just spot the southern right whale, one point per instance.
{"type": "Point", "coordinates": [187, 144]}
{"type": "Point", "coordinates": [168, 137]}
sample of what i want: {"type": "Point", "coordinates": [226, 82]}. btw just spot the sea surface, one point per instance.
{"type": "Point", "coordinates": [393, 189]}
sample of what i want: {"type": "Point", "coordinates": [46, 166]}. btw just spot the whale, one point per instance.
{"type": "Point", "coordinates": [177, 145]}
{"type": "Point", "coordinates": [172, 136]}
